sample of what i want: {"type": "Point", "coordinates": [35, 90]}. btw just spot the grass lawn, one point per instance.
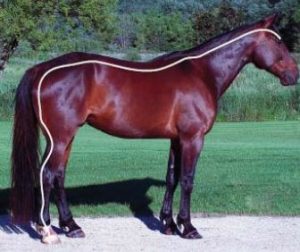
{"type": "Point", "coordinates": [245, 168]}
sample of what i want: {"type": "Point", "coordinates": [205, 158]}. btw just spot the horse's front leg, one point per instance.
{"type": "Point", "coordinates": [190, 150]}
{"type": "Point", "coordinates": [166, 213]}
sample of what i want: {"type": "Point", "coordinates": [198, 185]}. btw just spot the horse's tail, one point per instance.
{"type": "Point", "coordinates": [25, 153]}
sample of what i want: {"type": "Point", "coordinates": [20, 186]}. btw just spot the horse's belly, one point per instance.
{"type": "Point", "coordinates": [133, 128]}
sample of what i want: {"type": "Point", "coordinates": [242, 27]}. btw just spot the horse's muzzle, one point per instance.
{"type": "Point", "coordinates": [290, 77]}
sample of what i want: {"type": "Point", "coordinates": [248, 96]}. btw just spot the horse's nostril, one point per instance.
{"type": "Point", "coordinates": [290, 78]}
{"type": "Point", "coordinates": [297, 77]}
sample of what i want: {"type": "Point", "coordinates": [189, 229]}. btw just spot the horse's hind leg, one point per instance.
{"type": "Point", "coordinates": [166, 213]}
{"type": "Point", "coordinates": [66, 220]}
{"type": "Point", "coordinates": [43, 219]}
{"type": "Point", "coordinates": [53, 176]}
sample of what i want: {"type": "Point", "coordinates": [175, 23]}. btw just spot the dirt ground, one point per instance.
{"type": "Point", "coordinates": [228, 233]}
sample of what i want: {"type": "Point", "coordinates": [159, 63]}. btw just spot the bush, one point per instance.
{"type": "Point", "coordinates": [7, 104]}
{"type": "Point", "coordinates": [260, 97]}
{"type": "Point", "coordinates": [132, 55]}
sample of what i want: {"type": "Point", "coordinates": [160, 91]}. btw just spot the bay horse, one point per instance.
{"type": "Point", "coordinates": [130, 100]}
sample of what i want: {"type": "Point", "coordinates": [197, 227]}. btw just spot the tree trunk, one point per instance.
{"type": "Point", "coordinates": [7, 49]}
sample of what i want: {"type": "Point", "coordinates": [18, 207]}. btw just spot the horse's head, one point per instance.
{"type": "Point", "coordinates": [271, 54]}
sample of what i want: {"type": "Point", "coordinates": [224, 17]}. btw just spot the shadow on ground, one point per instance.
{"type": "Point", "coordinates": [132, 193]}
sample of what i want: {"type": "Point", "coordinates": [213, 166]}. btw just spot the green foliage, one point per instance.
{"type": "Point", "coordinates": [161, 32]}
{"type": "Point", "coordinates": [16, 19]}
{"type": "Point", "coordinates": [132, 55]}
{"type": "Point", "coordinates": [9, 80]}
{"type": "Point", "coordinates": [209, 23]}
{"type": "Point", "coordinates": [296, 28]}
{"type": "Point", "coordinates": [212, 17]}
{"type": "Point", "coordinates": [186, 7]}
{"type": "Point", "coordinates": [7, 104]}
{"type": "Point", "coordinates": [296, 15]}
{"type": "Point", "coordinates": [155, 25]}
{"type": "Point", "coordinates": [127, 31]}
{"type": "Point", "coordinates": [259, 96]}
{"type": "Point", "coordinates": [99, 16]}
{"type": "Point", "coordinates": [55, 25]}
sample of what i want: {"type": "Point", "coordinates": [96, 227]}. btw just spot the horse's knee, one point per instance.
{"type": "Point", "coordinates": [53, 179]}
{"type": "Point", "coordinates": [172, 178]}
{"type": "Point", "coordinates": [57, 156]}
{"type": "Point", "coordinates": [55, 167]}
{"type": "Point", "coordinates": [48, 177]}
{"type": "Point", "coordinates": [171, 182]}
{"type": "Point", "coordinates": [186, 183]}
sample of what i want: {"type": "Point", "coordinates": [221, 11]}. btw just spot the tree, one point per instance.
{"type": "Point", "coordinates": [127, 31]}
{"type": "Point", "coordinates": [216, 20]}
{"type": "Point", "coordinates": [46, 23]}
{"type": "Point", "coordinates": [296, 19]}
{"type": "Point", "coordinates": [291, 30]}
{"type": "Point", "coordinates": [160, 32]}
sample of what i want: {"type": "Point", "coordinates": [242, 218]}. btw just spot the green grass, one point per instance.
{"type": "Point", "coordinates": [245, 168]}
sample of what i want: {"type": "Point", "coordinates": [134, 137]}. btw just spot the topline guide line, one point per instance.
{"type": "Point", "coordinates": [139, 70]}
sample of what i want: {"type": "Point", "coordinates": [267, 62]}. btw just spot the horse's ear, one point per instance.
{"type": "Point", "coordinates": [270, 20]}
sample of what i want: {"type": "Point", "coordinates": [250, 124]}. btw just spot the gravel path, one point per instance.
{"type": "Point", "coordinates": [230, 233]}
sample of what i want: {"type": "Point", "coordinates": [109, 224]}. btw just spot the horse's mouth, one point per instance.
{"type": "Point", "coordinates": [288, 79]}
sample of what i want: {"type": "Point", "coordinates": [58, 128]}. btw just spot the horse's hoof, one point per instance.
{"type": "Point", "coordinates": [191, 235]}
{"type": "Point", "coordinates": [71, 229]}
{"type": "Point", "coordinates": [170, 229]}
{"type": "Point", "coordinates": [48, 235]}
{"type": "Point", "coordinates": [50, 239]}
{"type": "Point", "coordinates": [169, 226]}
{"type": "Point", "coordinates": [78, 233]}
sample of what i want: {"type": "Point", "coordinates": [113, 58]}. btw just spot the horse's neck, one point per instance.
{"type": "Point", "coordinates": [227, 63]}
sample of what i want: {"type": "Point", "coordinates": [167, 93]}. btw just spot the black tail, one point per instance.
{"type": "Point", "coordinates": [25, 153]}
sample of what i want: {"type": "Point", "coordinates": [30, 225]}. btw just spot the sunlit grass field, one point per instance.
{"type": "Point", "coordinates": [245, 168]}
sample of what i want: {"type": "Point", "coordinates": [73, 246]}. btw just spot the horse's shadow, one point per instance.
{"type": "Point", "coordinates": [131, 193]}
